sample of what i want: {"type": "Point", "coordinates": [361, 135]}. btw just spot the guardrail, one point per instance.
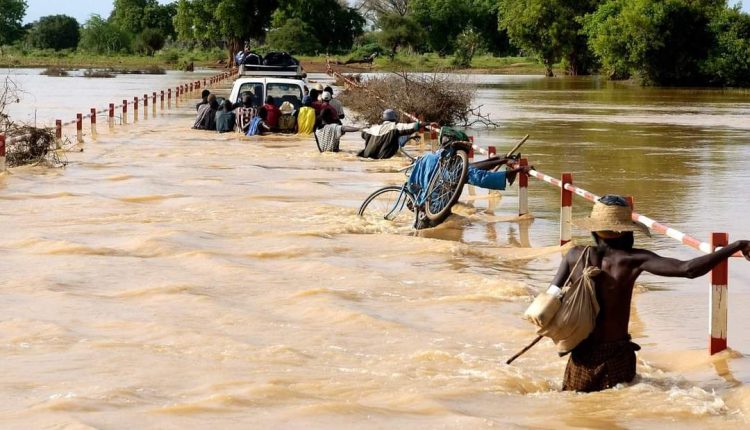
{"type": "Point", "coordinates": [180, 91]}
{"type": "Point", "coordinates": [718, 305]}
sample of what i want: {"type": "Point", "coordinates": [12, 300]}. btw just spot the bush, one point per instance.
{"type": "Point", "coordinates": [729, 60]}
{"type": "Point", "coordinates": [467, 44]}
{"type": "Point", "coordinates": [100, 37]}
{"type": "Point", "coordinates": [148, 42]}
{"type": "Point", "coordinates": [438, 97]}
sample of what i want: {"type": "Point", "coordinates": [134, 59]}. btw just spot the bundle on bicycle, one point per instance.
{"type": "Point", "coordinates": [435, 183]}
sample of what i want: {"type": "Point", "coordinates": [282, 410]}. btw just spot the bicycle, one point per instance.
{"type": "Point", "coordinates": [430, 206]}
{"type": "Point", "coordinates": [446, 183]}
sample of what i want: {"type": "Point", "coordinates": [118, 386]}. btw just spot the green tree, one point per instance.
{"type": "Point", "coordinates": [295, 37]}
{"type": "Point", "coordinates": [397, 31]}
{"type": "Point", "coordinates": [664, 42]}
{"type": "Point", "coordinates": [148, 42]}
{"type": "Point", "coordinates": [11, 15]}
{"type": "Point", "coordinates": [443, 21]}
{"type": "Point", "coordinates": [729, 59]}
{"type": "Point", "coordinates": [550, 30]}
{"type": "Point", "coordinates": [229, 21]}
{"type": "Point", "coordinates": [160, 17]}
{"type": "Point", "coordinates": [101, 37]}
{"type": "Point", "coordinates": [467, 44]}
{"type": "Point", "coordinates": [127, 15]}
{"type": "Point", "coordinates": [55, 32]}
{"type": "Point", "coordinates": [334, 25]}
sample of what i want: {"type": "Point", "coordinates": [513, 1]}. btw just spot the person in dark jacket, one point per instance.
{"type": "Point", "coordinates": [225, 118]}
{"type": "Point", "coordinates": [206, 118]}
{"type": "Point", "coordinates": [204, 99]}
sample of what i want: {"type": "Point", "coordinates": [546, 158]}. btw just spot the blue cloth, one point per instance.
{"type": "Point", "coordinates": [486, 179]}
{"type": "Point", "coordinates": [421, 175]}
{"type": "Point", "coordinates": [252, 129]}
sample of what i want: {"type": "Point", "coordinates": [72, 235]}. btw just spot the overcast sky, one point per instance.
{"type": "Point", "coordinates": [82, 9]}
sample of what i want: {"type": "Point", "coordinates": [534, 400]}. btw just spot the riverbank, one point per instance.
{"type": "Point", "coordinates": [177, 60]}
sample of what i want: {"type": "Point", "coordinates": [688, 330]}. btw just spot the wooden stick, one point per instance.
{"type": "Point", "coordinates": [521, 352]}
{"type": "Point", "coordinates": [518, 145]}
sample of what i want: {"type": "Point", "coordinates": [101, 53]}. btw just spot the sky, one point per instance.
{"type": "Point", "coordinates": [82, 9]}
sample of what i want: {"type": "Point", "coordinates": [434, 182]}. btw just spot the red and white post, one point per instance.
{"type": "Point", "coordinates": [145, 106]}
{"type": "Point", "coordinates": [135, 109]}
{"type": "Point", "coordinates": [111, 116]}
{"type": "Point", "coordinates": [2, 153]}
{"type": "Point", "coordinates": [491, 151]}
{"type": "Point", "coordinates": [93, 122]}
{"type": "Point", "coordinates": [58, 132]}
{"type": "Point", "coordinates": [124, 111]}
{"type": "Point", "coordinates": [566, 210]}
{"type": "Point", "coordinates": [79, 127]}
{"type": "Point", "coordinates": [719, 297]}
{"type": "Point", "coordinates": [523, 189]}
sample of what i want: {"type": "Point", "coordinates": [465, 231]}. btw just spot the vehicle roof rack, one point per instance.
{"type": "Point", "coordinates": [259, 71]}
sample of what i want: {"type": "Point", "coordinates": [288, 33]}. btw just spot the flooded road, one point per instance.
{"type": "Point", "coordinates": [172, 278]}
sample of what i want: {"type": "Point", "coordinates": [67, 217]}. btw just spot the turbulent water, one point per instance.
{"type": "Point", "coordinates": [171, 278]}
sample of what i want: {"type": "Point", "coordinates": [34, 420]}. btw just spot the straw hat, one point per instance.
{"type": "Point", "coordinates": [286, 108]}
{"type": "Point", "coordinates": [611, 213]}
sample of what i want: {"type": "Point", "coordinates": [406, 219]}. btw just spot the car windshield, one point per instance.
{"type": "Point", "coordinates": [281, 93]}
{"type": "Point", "coordinates": [253, 89]}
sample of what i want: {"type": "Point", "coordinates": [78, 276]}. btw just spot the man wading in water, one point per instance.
{"type": "Point", "coordinates": [607, 356]}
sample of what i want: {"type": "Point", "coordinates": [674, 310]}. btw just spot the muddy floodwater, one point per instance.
{"type": "Point", "coordinates": [177, 279]}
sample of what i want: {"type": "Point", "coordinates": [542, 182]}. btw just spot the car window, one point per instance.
{"type": "Point", "coordinates": [254, 89]}
{"type": "Point", "coordinates": [281, 93]}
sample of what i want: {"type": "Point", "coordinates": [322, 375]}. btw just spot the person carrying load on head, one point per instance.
{"type": "Point", "coordinates": [586, 310]}
{"type": "Point", "coordinates": [382, 141]}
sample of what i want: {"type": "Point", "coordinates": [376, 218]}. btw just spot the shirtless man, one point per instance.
{"type": "Point", "coordinates": [607, 356]}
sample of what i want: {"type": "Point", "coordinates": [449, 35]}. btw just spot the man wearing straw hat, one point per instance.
{"type": "Point", "coordinates": [606, 357]}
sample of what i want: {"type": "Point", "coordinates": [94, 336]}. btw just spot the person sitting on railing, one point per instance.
{"type": "Point", "coordinates": [206, 117]}
{"type": "Point", "coordinates": [382, 141]}
{"type": "Point", "coordinates": [225, 118]}
{"type": "Point", "coordinates": [602, 354]}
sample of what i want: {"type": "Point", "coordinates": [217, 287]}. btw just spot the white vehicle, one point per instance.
{"type": "Point", "coordinates": [263, 81]}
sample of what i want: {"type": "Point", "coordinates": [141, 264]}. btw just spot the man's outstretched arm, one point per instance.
{"type": "Point", "coordinates": [663, 266]}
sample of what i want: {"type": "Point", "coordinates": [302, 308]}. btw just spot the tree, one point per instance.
{"type": "Point", "coordinates": [55, 32]}
{"type": "Point", "coordinates": [665, 42]}
{"type": "Point", "coordinates": [159, 17]}
{"type": "Point", "coordinates": [333, 24]}
{"type": "Point", "coordinates": [11, 15]}
{"type": "Point", "coordinates": [549, 29]}
{"type": "Point", "coordinates": [295, 37]}
{"type": "Point", "coordinates": [443, 21]}
{"type": "Point", "coordinates": [467, 44]}
{"type": "Point", "coordinates": [148, 42]}
{"type": "Point", "coordinates": [397, 31]}
{"type": "Point", "coordinates": [729, 59]}
{"type": "Point", "coordinates": [101, 37]}
{"type": "Point", "coordinates": [374, 8]}
{"type": "Point", "coordinates": [230, 21]}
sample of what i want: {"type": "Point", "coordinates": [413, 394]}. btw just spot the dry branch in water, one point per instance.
{"type": "Point", "coordinates": [442, 98]}
{"type": "Point", "coordinates": [25, 144]}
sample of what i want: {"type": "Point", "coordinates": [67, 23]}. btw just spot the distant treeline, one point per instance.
{"type": "Point", "coordinates": [659, 42]}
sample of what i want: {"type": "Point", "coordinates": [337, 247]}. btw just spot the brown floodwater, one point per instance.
{"type": "Point", "coordinates": [172, 278]}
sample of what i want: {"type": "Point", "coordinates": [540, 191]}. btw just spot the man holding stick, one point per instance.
{"type": "Point", "coordinates": [607, 356]}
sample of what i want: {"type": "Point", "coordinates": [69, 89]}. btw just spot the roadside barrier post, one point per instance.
{"type": "Point", "coordinates": [2, 153]}
{"type": "Point", "coordinates": [566, 210]}
{"type": "Point", "coordinates": [135, 109]}
{"type": "Point", "coordinates": [124, 111]}
{"type": "Point", "coordinates": [58, 132]}
{"type": "Point", "coordinates": [111, 117]}
{"type": "Point", "coordinates": [162, 99]}
{"type": "Point", "coordinates": [79, 128]}
{"type": "Point", "coordinates": [169, 98]}
{"type": "Point", "coordinates": [433, 138]}
{"type": "Point", "coordinates": [471, 154]}
{"type": "Point", "coordinates": [523, 189]}
{"type": "Point", "coordinates": [93, 122]}
{"type": "Point", "coordinates": [491, 151]}
{"type": "Point", "coordinates": [718, 307]}
{"type": "Point", "coordinates": [153, 103]}
{"type": "Point", "coordinates": [145, 106]}
{"type": "Point", "coordinates": [204, 82]}
{"type": "Point", "coordinates": [191, 88]}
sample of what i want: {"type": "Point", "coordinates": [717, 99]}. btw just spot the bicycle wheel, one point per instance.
{"type": "Point", "coordinates": [391, 203]}
{"type": "Point", "coordinates": [446, 185]}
